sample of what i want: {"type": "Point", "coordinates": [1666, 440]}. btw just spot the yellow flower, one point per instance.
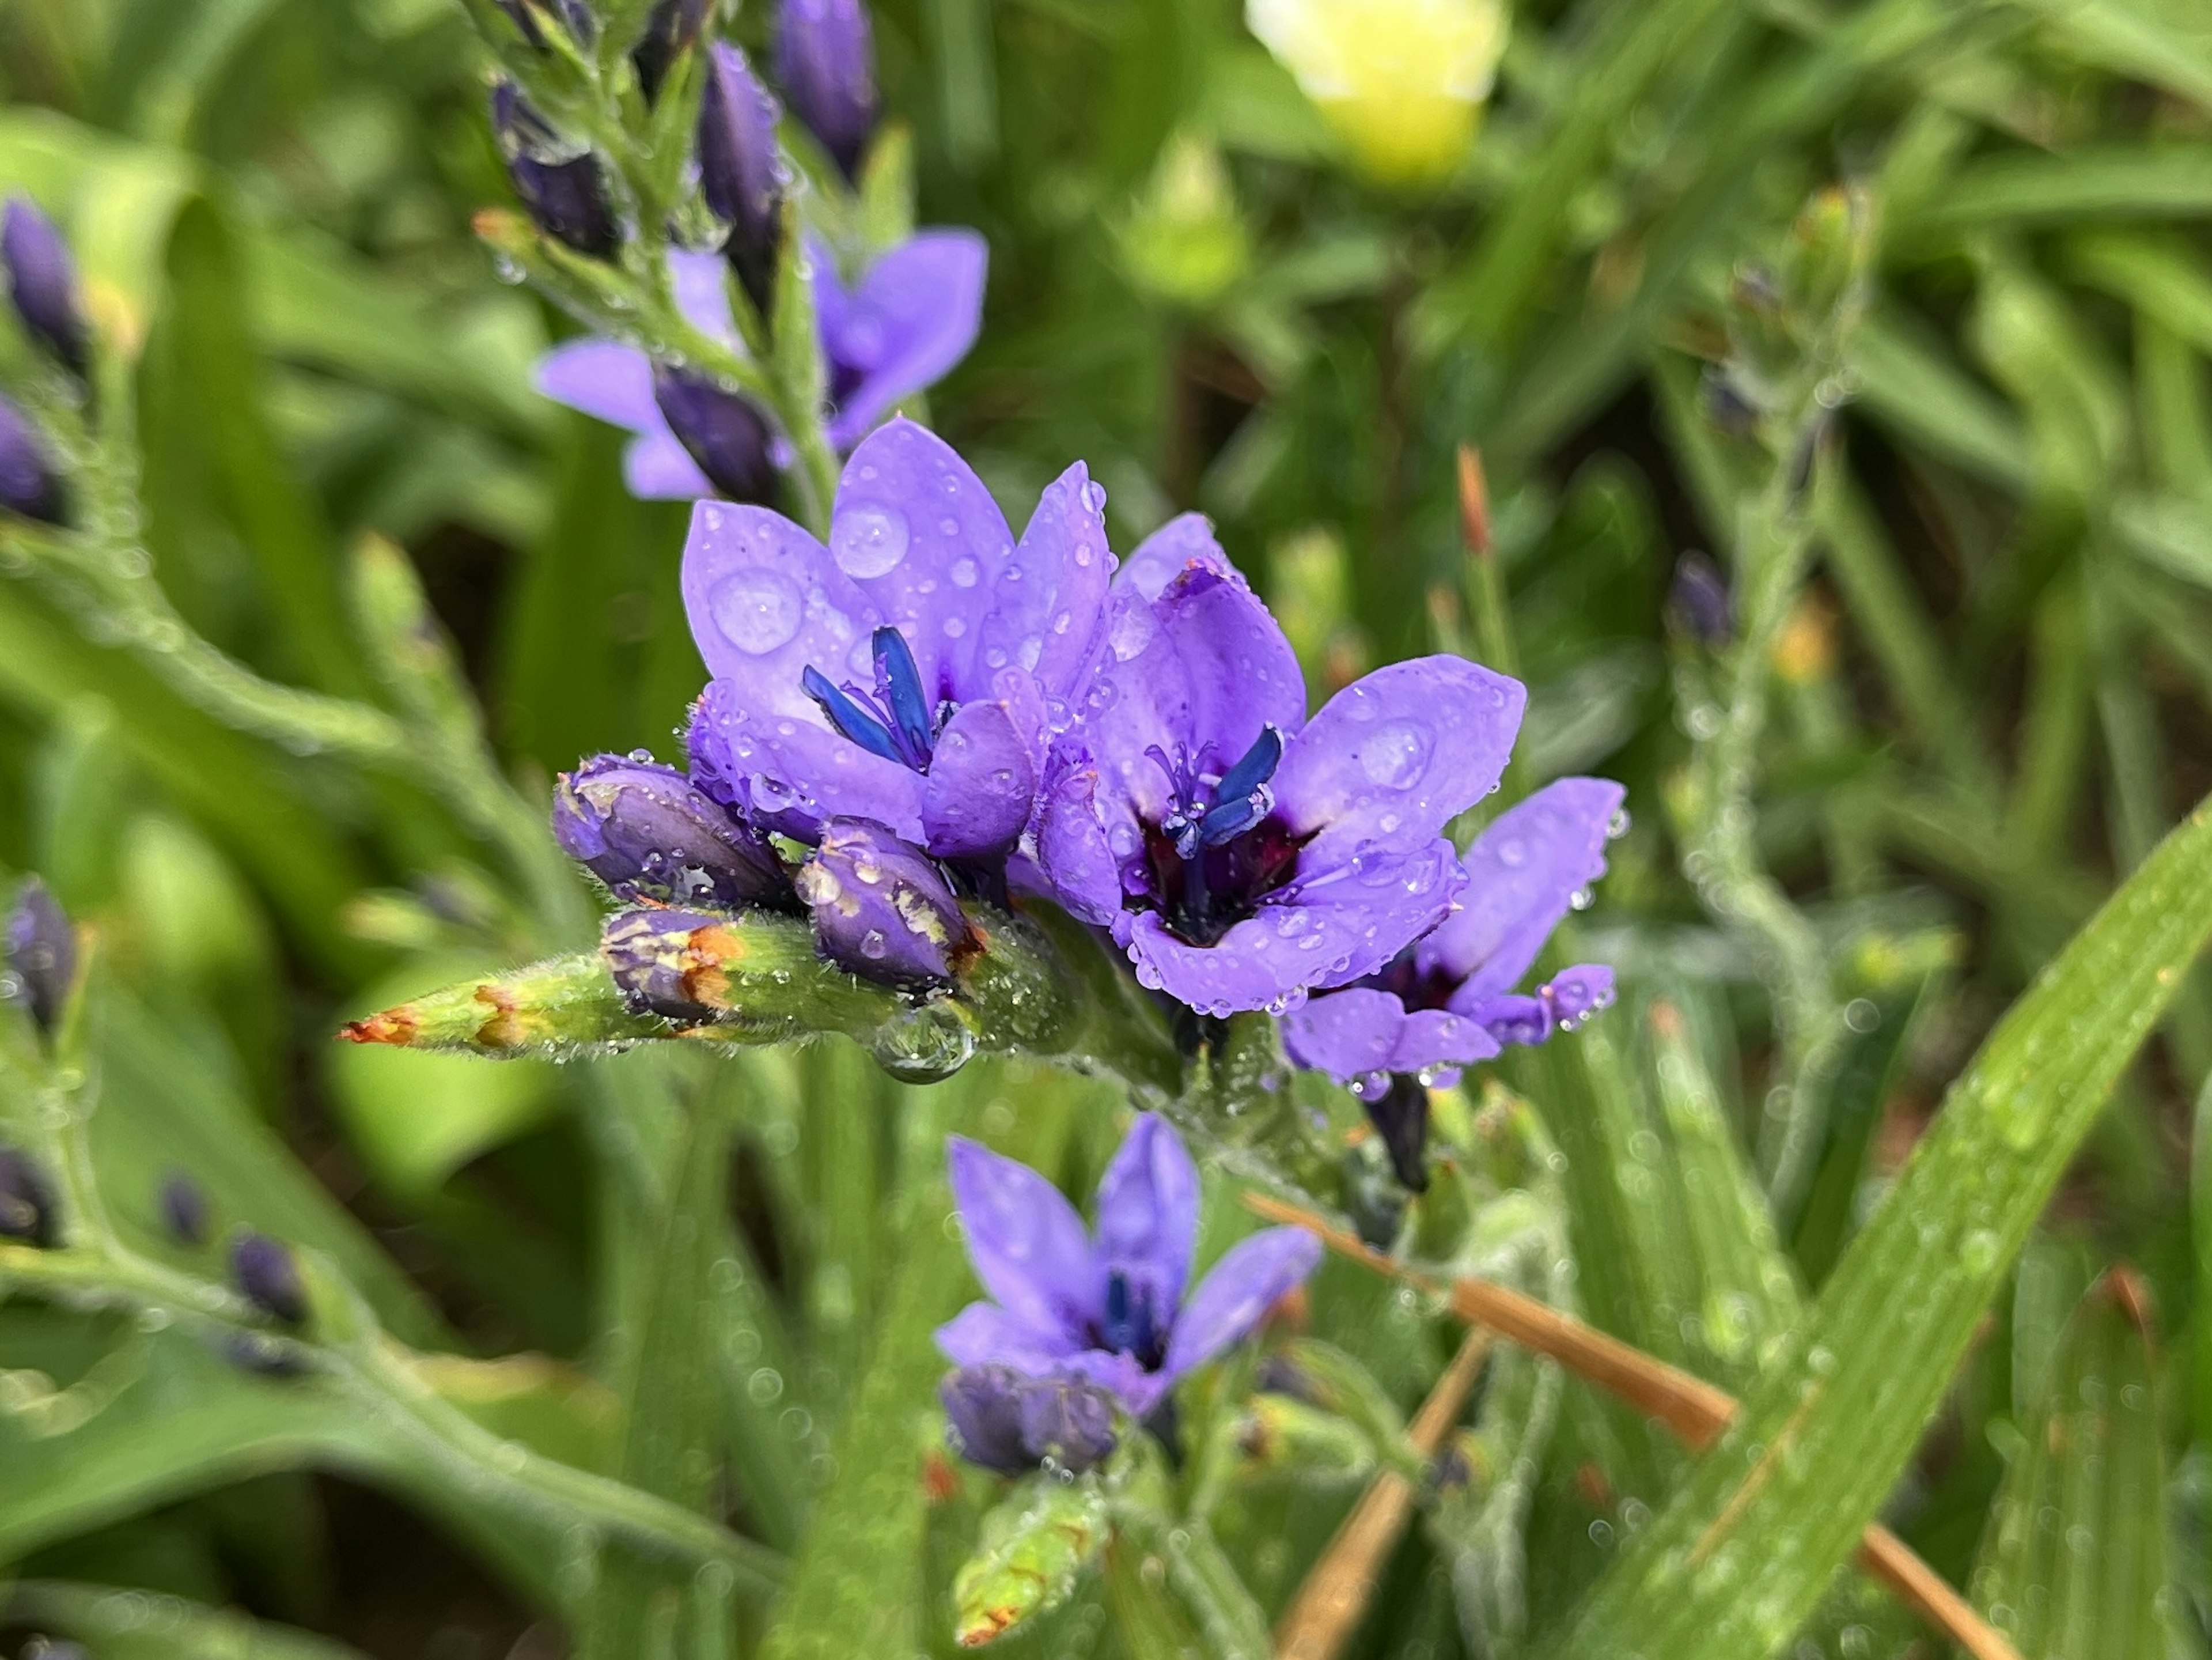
{"type": "Point", "coordinates": [1402, 81]}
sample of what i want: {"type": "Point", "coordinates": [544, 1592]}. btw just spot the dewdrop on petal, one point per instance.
{"type": "Point", "coordinates": [1402, 82]}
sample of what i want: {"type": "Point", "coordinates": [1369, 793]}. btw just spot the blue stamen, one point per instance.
{"type": "Point", "coordinates": [898, 683]}
{"type": "Point", "coordinates": [1129, 1328]}
{"type": "Point", "coordinates": [1243, 799]}
{"type": "Point", "coordinates": [846, 714]}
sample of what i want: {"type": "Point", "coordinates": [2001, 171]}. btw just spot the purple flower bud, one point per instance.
{"type": "Point", "coordinates": [42, 277]}
{"type": "Point", "coordinates": [651, 955]}
{"type": "Point", "coordinates": [723, 432]}
{"type": "Point", "coordinates": [26, 485]}
{"type": "Point", "coordinates": [1700, 600]}
{"type": "Point", "coordinates": [566, 195]}
{"type": "Point", "coordinates": [184, 1204]}
{"type": "Point", "coordinates": [41, 953]}
{"type": "Point", "coordinates": [825, 59]}
{"type": "Point", "coordinates": [574, 15]}
{"type": "Point", "coordinates": [268, 1278]}
{"type": "Point", "coordinates": [27, 1202]}
{"type": "Point", "coordinates": [644, 831]}
{"type": "Point", "coordinates": [259, 1352]}
{"type": "Point", "coordinates": [1727, 405]}
{"type": "Point", "coordinates": [1399, 1112]}
{"type": "Point", "coordinates": [740, 173]}
{"type": "Point", "coordinates": [671, 28]}
{"type": "Point", "coordinates": [882, 910]}
{"type": "Point", "coordinates": [1003, 1421]}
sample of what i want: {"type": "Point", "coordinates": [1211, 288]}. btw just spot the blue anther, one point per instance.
{"type": "Point", "coordinates": [1243, 799]}
{"type": "Point", "coordinates": [846, 714]}
{"type": "Point", "coordinates": [1129, 1328]}
{"type": "Point", "coordinates": [898, 683]}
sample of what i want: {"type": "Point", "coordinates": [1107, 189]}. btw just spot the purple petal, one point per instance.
{"type": "Point", "coordinates": [607, 381]}
{"type": "Point", "coordinates": [915, 531]}
{"type": "Point", "coordinates": [793, 775]}
{"type": "Point", "coordinates": [982, 783]}
{"type": "Point", "coordinates": [1027, 1242]}
{"type": "Point", "coordinates": [881, 908]}
{"type": "Point", "coordinates": [1577, 993]}
{"type": "Point", "coordinates": [1351, 1033]}
{"type": "Point", "coordinates": [698, 282]}
{"type": "Point", "coordinates": [985, 1335]}
{"type": "Point", "coordinates": [1230, 1301]}
{"type": "Point", "coordinates": [1565, 1001]}
{"type": "Point", "coordinates": [983, 1417]}
{"type": "Point", "coordinates": [1148, 1212]}
{"type": "Point", "coordinates": [1120, 1374]}
{"type": "Point", "coordinates": [1046, 603]}
{"type": "Point", "coordinates": [913, 316]}
{"type": "Point", "coordinates": [1523, 869]}
{"type": "Point", "coordinates": [766, 604]}
{"type": "Point", "coordinates": [1396, 756]}
{"type": "Point", "coordinates": [656, 467]}
{"type": "Point", "coordinates": [1071, 843]}
{"type": "Point", "coordinates": [1186, 539]}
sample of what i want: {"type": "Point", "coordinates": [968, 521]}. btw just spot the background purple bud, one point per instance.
{"type": "Point", "coordinates": [1727, 405]}
{"type": "Point", "coordinates": [42, 278]}
{"type": "Point", "coordinates": [27, 1201]}
{"type": "Point", "coordinates": [185, 1209]}
{"type": "Point", "coordinates": [723, 432]}
{"type": "Point", "coordinates": [648, 954]}
{"type": "Point", "coordinates": [1399, 1113]}
{"type": "Point", "coordinates": [644, 831]}
{"type": "Point", "coordinates": [566, 196]}
{"type": "Point", "coordinates": [825, 59]}
{"type": "Point", "coordinates": [670, 28]}
{"type": "Point", "coordinates": [41, 952]}
{"type": "Point", "coordinates": [268, 1278]}
{"type": "Point", "coordinates": [881, 908]}
{"type": "Point", "coordinates": [26, 486]}
{"type": "Point", "coordinates": [982, 1420]}
{"type": "Point", "coordinates": [1068, 1421]}
{"type": "Point", "coordinates": [269, 1357]}
{"type": "Point", "coordinates": [574, 15]}
{"type": "Point", "coordinates": [740, 174]}
{"type": "Point", "coordinates": [1700, 600]}
{"type": "Point", "coordinates": [997, 1418]}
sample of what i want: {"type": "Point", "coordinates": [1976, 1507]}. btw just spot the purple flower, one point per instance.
{"type": "Point", "coordinates": [908, 673]}
{"type": "Point", "coordinates": [27, 486]}
{"type": "Point", "coordinates": [1107, 1307]}
{"type": "Point", "coordinates": [565, 192]}
{"type": "Point", "coordinates": [41, 952]}
{"type": "Point", "coordinates": [1448, 1001]}
{"type": "Point", "coordinates": [912, 316]}
{"type": "Point", "coordinates": [1242, 855]}
{"type": "Point", "coordinates": [266, 1276]}
{"type": "Point", "coordinates": [740, 173]}
{"type": "Point", "coordinates": [882, 909]}
{"type": "Point", "coordinates": [726, 436]}
{"type": "Point", "coordinates": [646, 833]}
{"type": "Point", "coordinates": [998, 1418]}
{"type": "Point", "coordinates": [825, 59]}
{"type": "Point", "coordinates": [42, 279]}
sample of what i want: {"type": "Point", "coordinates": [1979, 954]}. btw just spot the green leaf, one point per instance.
{"type": "Point", "coordinates": [2024, 189]}
{"type": "Point", "coordinates": [2073, 1563]}
{"type": "Point", "coordinates": [134, 1623]}
{"type": "Point", "coordinates": [1743, 1550]}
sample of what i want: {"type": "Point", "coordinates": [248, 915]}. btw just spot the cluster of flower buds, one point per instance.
{"type": "Point", "coordinates": [42, 283]}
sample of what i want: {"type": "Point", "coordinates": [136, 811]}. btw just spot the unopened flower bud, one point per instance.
{"type": "Point", "coordinates": [1399, 1112]}
{"type": "Point", "coordinates": [41, 953]}
{"type": "Point", "coordinates": [28, 1212]}
{"type": "Point", "coordinates": [184, 1205]}
{"type": "Point", "coordinates": [566, 195]}
{"type": "Point", "coordinates": [670, 29]}
{"type": "Point", "coordinates": [740, 174]}
{"type": "Point", "coordinates": [1001, 1421]}
{"type": "Point", "coordinates": [42, 279]}
{"type": "Point", "coordinates": [27, 485]}
{"type": "Point", "coordinates": [647, 833]}
{"type": "Point", "coordinates": [722, 431]}
{"type": "Point", "coordinates": [882, 909]}
{"type": "Point", "coordinates": [267, 1277]}
{"type": "Point", "coordinates": [825, 59]}
{"type": "Point", "coordinates": [530, 17]}
{"type": "Point", "coordinates": [1700, 601]}
{"type": "Point", "coordinates": [653, 956]}
{"type": "Point", "coordinates": [265, 1356]}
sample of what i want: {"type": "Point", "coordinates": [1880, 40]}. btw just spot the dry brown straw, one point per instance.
{"type": "Point", "coordinates": [1695, 1410]}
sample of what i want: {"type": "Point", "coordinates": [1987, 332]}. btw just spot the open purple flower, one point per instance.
{"type": "Point", "coordinates": [908, 672]}
{"type": "Point", "coordinates": [913, 314]}
{"type": "Point", "coordinates": [1107, 1307]}
{"type": "Point", "coordinates": [1240, 854]}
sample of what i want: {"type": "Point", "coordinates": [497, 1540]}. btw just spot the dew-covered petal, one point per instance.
{"type": "Point", "coordinates": [983, 1417]}
{"type": "Point", "coordinates": [912, 316]}
{"type": "Point", "coordinates": [1184, 540]}
{"type": "Point", "coordinates": [1512, 1018]}
{"type": "Point", "coordinates": [1564, 1001]}
{"type": "Point", "coordinates": [656, 467]}
{"type": "Point", "coordinates": [1072, 850]}
{"type": "Point", "coordinates": [606, 381]}
{"type": "Point", "coordinates": [985, 1335]}
{"type": "Point", "coordinates": [1047, 601]}
{"type": "Point", "coordinates": [915, 531]}
{"type": "Point", "coordinates": [1231, 1300]}
{"type": "Point", "coordinates": [1360, 1030]}
{"type": "Point", "coordinates": [1579, 991]}
{"type": "Point", "coordinates": [881, 906]}
{"type": "Point", "coordinates": [1120, 1374]}
{"type": "Point", "coordinates": [766, 604]}
{"type": "Point", "coordinates": [983, 782]}
{"type": "Point", "coordinates": [1523, 871]}
{"type": "Point", "coordinates": [1396, 756]}
{"type": "Point", "coordinates": [1148, 1212]}
{"type": "Point", "coordinates": [699, 281]}
{"type": "Point", "coordinates": [1313, 936]}
{"type": "Point", "coordinates": [791, 775]}
{"type": "Point", "coordinates": [1027, 1242]}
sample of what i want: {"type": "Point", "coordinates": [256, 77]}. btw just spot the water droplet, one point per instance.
{"type": "Point", "coordinates": [868, 542]}
{"type": "Point", "coordinates": [965, 571]}
{"type": "Point", "coordinates": [757, 610]}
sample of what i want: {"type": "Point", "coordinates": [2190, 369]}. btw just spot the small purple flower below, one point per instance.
{"type": "Point", "coordinates": [998, 1419]}
{"type": "Point", "coordinates": [913, 315]}
{"type": "Point", "coordinates": [1240, 854]}
{"type": "Point", "coordinates": [1107, 1307]}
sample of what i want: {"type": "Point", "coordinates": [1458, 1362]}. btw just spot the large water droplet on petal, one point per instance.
{"type": "Point", "coordinates": [1396, 756]}
{"type": "Point", "coordinates": [868, 541]}
{"type": "Point", "coordinates": [757, 610]}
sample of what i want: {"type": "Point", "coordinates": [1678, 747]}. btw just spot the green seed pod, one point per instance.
{"type": "Point", "coordinates": [1035, 1545]}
